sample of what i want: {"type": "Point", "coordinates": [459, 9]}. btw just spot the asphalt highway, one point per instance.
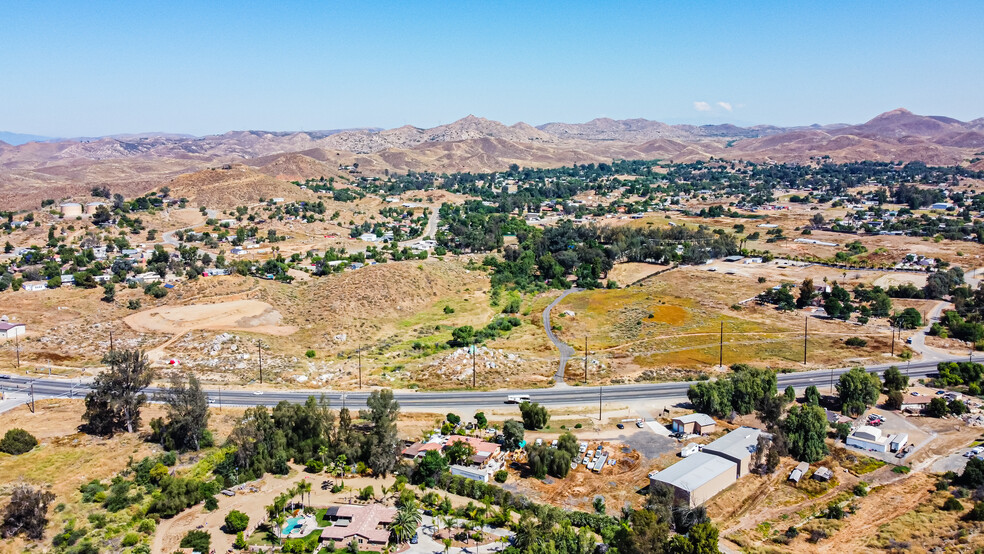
{"type": "Point", "coordinates": [561, 395]}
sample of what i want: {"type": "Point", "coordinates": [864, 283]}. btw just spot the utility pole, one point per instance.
{"type": "Point", "coordinates": [32, 397]}
{"type": "Point", "coordinates": [600, 388]}
{"type": "Point", "coordinates": [585, 360]}
{"type": "Point", "coordinates": [893, 341]}
{"type": "Point", "coordinates": [474, 364]}
{"type": "Point", "coordinates": [359, 351]}
{"type": "Point", "coordinates": [806, 333]}
{"type": "Point", "coordinates": [259, 353]}
{"type": "Point", "coordinates": [17, 346]}
{"type": "Point", "coordinates": [111, 340]}
{"type": "Point", "coordinates": [721, 352]}
{"type": "Point", "coordinates": [831, 381]}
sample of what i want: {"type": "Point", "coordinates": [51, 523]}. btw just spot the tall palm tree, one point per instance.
{"type": "Point", "coordinates": [406, 521]}
{"type": "Point", "coordinates": [323, 452]}
{"type": "Point", "coordinates": [447, 545]}
{"type": "Point", "coordinates": [304, 487]}
{"type": "Point", "coordinates": [279, 522]}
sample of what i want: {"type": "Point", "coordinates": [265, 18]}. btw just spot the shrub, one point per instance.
{"type": "Point", "coordinates": [501, 476]}
{"type": "Point", "coordinates": [901, 469]}
{"type": "Point", "coordinates": [236, 521]}
{"type": "Point", "coordinates": [17, 441]}
{"type": "Point", "coordinates": [211, 504]}
{"type": "Point", "coordinates": [197, 540]}
{"type": "Point", "coordinates": [310, 353]}
{"type": "Point", "coordinates": [130, 539]}
{"type": "Point", "coordinates": [314, 466]}
{"type": "Point", "coordinates": [976, 513]}
{"type": "Point", "coordinates": [578, 426]}
{"type": "Point", "coordinates": [240, 543]}
{"type": "Point", "coordinates": [952, 505]}
{"type": "Point", "coordinates": [861, 489]}
{"type": "Point", "coordinates": [856, 341]}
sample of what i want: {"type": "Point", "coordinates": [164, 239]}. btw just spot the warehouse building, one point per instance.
{"type": "Point", "coordinates": [738, 446]}
{"type": "Point", "coordinates": [697, 478]}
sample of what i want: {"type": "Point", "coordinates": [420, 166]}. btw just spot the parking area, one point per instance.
{"type": "Point", "coordinates": [893, 424]}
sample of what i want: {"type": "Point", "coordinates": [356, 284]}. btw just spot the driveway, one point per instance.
{"type": "Point", "coordinates": [565, 349]}
{"type": "Point", "coordinates": [428, 545]}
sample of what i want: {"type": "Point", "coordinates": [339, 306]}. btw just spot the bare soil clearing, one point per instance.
{"type": "Point", "coordinates": [251, 315]}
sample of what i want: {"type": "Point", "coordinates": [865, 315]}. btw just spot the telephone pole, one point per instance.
{"type": "Point", "coordinates": [585, 360]}
{"type": "Point", "coordinates": [893, 341]}
{"type": "Point", "coordinates": [474, 364]}
{"type": "Point", "coordinates": [17, 346]}
{"type": "Point", "coordinates": [600, 388]}
{"type": "Point", "coordinates": [806, 333]}
{"type": "Point", "coordinates": [33, 407]}
{"type": "Point", "coordinates": [111, 340]}
{"type": "Point", "coordinates": [359, 351]}
{"type": "Point", "coordinates": [259, 353]}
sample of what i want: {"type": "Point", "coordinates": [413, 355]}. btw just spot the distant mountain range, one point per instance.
{"type": "Point", "coordinates": [135, 163]}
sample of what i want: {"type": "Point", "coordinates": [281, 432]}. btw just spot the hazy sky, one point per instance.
{"type": "Point", "coordinates": [95, 68]}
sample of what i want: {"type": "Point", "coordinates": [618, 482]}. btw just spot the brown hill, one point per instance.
{"type": "Point", "coordinates": [135, 164]}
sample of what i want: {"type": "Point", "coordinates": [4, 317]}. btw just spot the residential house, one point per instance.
{"type": "Point", "coordinates": [34, 286]}
{"type": "Point", "coordinates": [915, 403]}
{"type": "Point", "coordinates": [367, 525]}
{"type": "Point", "coordinates": [11, 330]}
{"type": "Point", "coordinates": [799, 472]}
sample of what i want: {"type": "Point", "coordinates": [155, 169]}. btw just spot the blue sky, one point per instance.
{"type": "Point", "coordinates": [95, 68]}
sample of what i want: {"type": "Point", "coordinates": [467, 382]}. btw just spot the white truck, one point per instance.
{"type": "Point", "coordinates": [517, 398]}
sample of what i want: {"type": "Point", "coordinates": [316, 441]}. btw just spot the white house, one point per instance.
{"type": "Point", "coordinates": [33, 286]}
{"type": "Point", "coordinates": [11, 330]}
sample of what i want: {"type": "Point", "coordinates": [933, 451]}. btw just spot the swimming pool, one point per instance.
{"type": "Point", "coordinates": [292, 524]}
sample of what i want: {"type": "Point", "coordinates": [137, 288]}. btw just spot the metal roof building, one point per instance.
{"type": "Point", "coordinates": [697, 478]}
{"type": "Point", "coordinates": [737, 446]}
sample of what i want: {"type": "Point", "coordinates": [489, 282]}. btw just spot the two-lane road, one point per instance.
{"type": "Point", "coordinates": [441, 401]}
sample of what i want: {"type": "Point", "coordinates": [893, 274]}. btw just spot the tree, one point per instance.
{"type": "Point", "coordinates": [789, 394]}
{"type": "Point", "coordinates": [240, 542]}
{"type": "Point", "coordinates": [701, 539]}
{"type": "Point", "coordinates": [459, 451]}
{"type": "Point", "coordinates": [910, 318]}
{"type": "Point", "coordinates": [812, 395]}
{"type": "Point", "coordinates": [17, 441]}
{"type": "Point", "coordinates": [453, 419]}
{"type": "Point", "coordinates": [236, 522]}
{"type": "Point", "coordinates": [750, 385]}
{"type": "Point", "coordinates": [512, 432]}
{"type": "Point", "coordinates": [197, 540]}
{"type": "Point", "coordinates": [647, 534]}
{"type": "Point", "coordinates": [534, 415]}
{"type": "Point", "coordinates": [109, 292]}
{"type": "Point", "coordinates": [383, 441]}
{"type": "Point", "coordinates": [858, 389]}
{"type": "Point", "coordinates": [973, 474]}
{"type": "Point", "coordinates": [480, 420]}
{"type": "Point", "coordinates": [937, 407]}
{"type": "Point", "coordinates": [806, 429]}
{"type": "Point", "coordinates": [406, 520]}
{"type": "Point", "coordinates": [429, 467]}
{"type": "Point", "coordinates": [27, 512]}
{"type": "Point", "coordinates": [117, 393]}
{"type": "Point", "coordinates": [806, 293]}
{"type": "Point", "coordinates": [187, 416]}
{"type": "Point", "coordinates": [895, 399]}
{"type": "Point", "coordinates": [894, 380]}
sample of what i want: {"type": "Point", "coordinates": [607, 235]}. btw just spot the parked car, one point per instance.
{"type": "Point", "coordinates": [414, 539]}
{"type": "Point", "coordinates": [620, 426]}
{"type": "Point", "coordinates": [639, 424]}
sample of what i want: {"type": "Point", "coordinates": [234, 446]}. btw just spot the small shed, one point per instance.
{"type": "Point", "coordinates": [823, 474]}
{"type": "Point", "coordinates": [694, 424]}
{"type": "Point", "coordinates": [898, 441]}
{"type": "Point", "coordinates": [799, 471]}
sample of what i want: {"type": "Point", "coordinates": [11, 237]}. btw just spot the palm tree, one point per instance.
{"type": "Point", "coordinates": [323, 452]}
{"type": "Point", "coordinates": [447, 545]}
{"type": "Point", "coordinates": [304, 487]}
{"type": "Point", "coordinates": [279, 521]}
{"type": "Point", "coordinates": [406, 521]}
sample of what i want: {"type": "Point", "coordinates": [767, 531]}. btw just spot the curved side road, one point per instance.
{"type": "Point", "coordinates": [566, 351]}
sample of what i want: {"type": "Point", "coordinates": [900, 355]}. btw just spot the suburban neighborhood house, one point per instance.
{"type": "Point", "coordinates": [11, 330]}
{"type": "Point", "coordinates": [700, 476]}
{"type": "Point", "coordinates": [367, 525]}
{"type": "Point", "coordinates": [485, 462]}
{"type": "Point", "coordinates": [915, 403]}
{"type": "Point", "coordinates": [694, 424]}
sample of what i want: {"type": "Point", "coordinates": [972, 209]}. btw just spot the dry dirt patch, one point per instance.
{"type": "Point", "coordinates": [243, 315]}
